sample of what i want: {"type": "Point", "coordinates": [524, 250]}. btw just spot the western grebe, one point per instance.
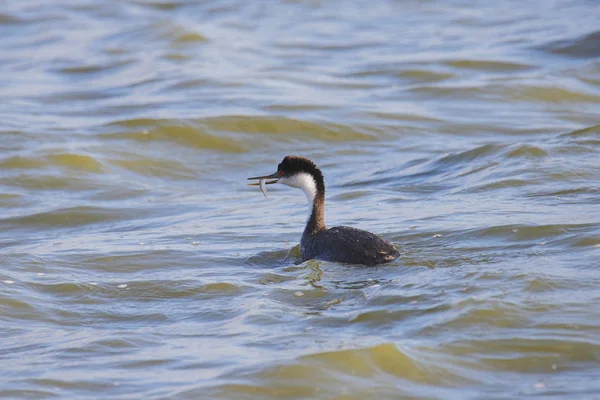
{"type": "Point", "coordinates": [340, 244]}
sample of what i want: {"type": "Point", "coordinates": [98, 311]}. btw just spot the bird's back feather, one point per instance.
{"type": "Point", "coordinates": [347, 245]}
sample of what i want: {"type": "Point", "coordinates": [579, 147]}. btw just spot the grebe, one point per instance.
{"type": "Point", "coordinates": [339, 244]}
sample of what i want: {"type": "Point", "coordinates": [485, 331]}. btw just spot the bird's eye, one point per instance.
{"type": "Point", "coordinates": [280, 173]}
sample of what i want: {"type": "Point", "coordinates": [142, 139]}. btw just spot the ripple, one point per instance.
{"type": "Point", "coordinates": [76, 161]}
{"type": "Point", "coordinates": [160, 5]}
{"type": "Point", "coordinates": [73, 161]}
{"type": "Point", "coordinates": [591, 131]}
{"type": "Point", "coordinates": [527, 151]}
{"type": "Point", "coordinates": [475, 154]}
{"type": "Point", "coordinates": [489, 65]}
{"type": "Point", "coordinates": [586, 46]}
{"type": "Point", "coordinates": [188, 136]}
{"type": "Point", "coordinates": [93, 69]}
{"type": "Point", "coordinates": [70, 217]}
{"type": "Point", "coordinates": [423, 76]}
{"type": "Point", "coordinates": [21, 162]}
{"type": "Point", "coordinates": [179, 34]}
{"type": "Point", "coordinates": [524, 355]}
{"type": "Point", "coordinates": [548, 94]}
{"type": "Point", "coordinates": [340, 373]}
{"type": "Point", "coordinates": [236, 134]}
{"type": "Point", "coordinates": [281, 127]}
{"type": "Point", "coordinates": [154, 167]}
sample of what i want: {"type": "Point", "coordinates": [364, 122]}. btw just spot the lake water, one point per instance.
{"type": "Point", "coordinates": [136, 263]}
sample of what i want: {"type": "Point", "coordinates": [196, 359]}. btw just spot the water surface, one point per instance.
{"type": "Point", "coordinates": [137, 263]}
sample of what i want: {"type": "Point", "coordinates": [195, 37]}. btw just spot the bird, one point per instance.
{"type": "Point", "coordinates": [341, 244]}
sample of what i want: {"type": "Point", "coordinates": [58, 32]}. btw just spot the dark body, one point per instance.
{"type": "Point", "coordinates": [347, 245]}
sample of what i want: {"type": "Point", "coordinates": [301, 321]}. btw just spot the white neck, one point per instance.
{"type": "Point", "coordinates": [303, 181]}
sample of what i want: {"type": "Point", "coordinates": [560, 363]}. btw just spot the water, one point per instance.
{"type": "Point", "coordinates": [136, 263]}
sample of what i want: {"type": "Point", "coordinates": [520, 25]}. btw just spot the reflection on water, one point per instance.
{"type": "Point", "coordinates": [135, 261]}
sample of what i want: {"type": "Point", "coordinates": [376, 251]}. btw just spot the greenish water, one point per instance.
{"type": "Point", "coordinates": [136, 263]}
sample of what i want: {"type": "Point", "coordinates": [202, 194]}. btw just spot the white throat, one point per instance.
{"type": "Point", "coordinates": [303, 181]}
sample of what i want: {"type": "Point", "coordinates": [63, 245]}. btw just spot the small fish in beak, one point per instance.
{"type": "Point", "coordinates": [263, 187]}
{"type": "Point", "coordinates": [263, 181]}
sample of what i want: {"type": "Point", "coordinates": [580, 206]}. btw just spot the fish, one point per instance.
{"type": "Point", "coordinates": [263, 181]}
{"type": "Point", "coordinates": [263, 187]}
